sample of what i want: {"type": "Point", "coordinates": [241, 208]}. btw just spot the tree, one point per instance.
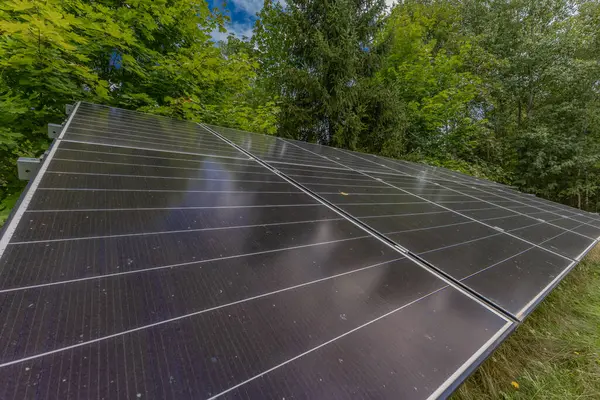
{"type": "Point", "coordinates": [320, 59]}
{"type": "Point", "coordinates": [439, 70]}
{"type": "Point", "coordinates": [155, 56]}
{"type": "Point", "coordinates": [546, 104]}
{"type": "Point", "coordinates": [507, 89]}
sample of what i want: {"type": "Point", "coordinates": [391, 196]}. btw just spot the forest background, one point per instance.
{"type": "Point", "coordinates": [507, 90]}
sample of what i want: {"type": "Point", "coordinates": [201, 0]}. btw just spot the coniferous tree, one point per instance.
{"type": "Point", "coordinates": [322, 58]}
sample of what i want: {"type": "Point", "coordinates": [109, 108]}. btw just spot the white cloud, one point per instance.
{"type": "Point", "coordinates": [238, 29]}
{"type": "Point", "coordinates": [244, 28]}
{"type": "Point", "coordinates": [254, 6]}
{"type": "Point", "coordinates": [250, 6]}
{"type": "Point", "coordinates": [218, 36]}
{"type": "Point", "coordinates": [241, 30]}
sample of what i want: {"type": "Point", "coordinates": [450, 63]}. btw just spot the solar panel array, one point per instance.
{"type": "Point", "coordinates": [156, 258]}
{"type": "Point", "coordinates": [506, 247]}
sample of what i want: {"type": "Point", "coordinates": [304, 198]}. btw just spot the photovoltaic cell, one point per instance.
{"type": "Point", "coordinates": [152, 259]}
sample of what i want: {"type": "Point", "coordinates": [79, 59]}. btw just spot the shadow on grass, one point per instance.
{"type": "Point", "coordinates": [555, 354]}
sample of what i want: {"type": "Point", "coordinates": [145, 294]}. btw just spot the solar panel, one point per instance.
{"type": "Point", "coordinates": [482, 235]}
{"type": "Point", "coordinates": [139, 265]}
{"type": "Point", "coordinates": [105, 125]}
{"type": "Point", "coordinates": [272, 150]}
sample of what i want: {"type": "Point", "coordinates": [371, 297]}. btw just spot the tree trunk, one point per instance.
{"type": "Point", "coordinates": [530, 103]}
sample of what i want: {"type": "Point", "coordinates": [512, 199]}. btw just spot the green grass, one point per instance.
{"type": "Point", "coordinates": [555, 354]}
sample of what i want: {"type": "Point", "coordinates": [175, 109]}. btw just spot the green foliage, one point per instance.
{"type": "Point", "coordinates": [320, 59]}
{"type": "Point", "coordinates": [430, 61]}
{"type": "Point", "coordinates": [506, 90]}
{"type": "Point", "coordinates": [545, 93]}
{"type": "Point", "coordinates": [503, 89]}
{"type": "Point", "coordinates": [156, 56]}
{"type": "Point", "coordinates": [7, 204]}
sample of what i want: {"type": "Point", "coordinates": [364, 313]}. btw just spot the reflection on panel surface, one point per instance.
{"type": "Point", "coordinates": [271, 148]}
{"type": "Point", "coordinates": [113, 126]}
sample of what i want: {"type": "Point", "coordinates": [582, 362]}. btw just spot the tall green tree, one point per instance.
{"type": "Point", "coordinates": [439, 70]}
{"type": "Point", "coordinates": [506, 89]}
{"type": "Point", "coordinates": [320, 58]}
{"type": "Point", "coordinates": [44, 49]}
{"type": "Point", "coordinates": [544, 94]}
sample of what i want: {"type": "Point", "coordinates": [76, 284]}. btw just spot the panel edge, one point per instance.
{"type": "Point", "coordinates": [17, 214]}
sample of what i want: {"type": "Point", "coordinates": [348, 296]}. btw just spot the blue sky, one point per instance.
{"type": "Point", "coordinates": [242, 14]}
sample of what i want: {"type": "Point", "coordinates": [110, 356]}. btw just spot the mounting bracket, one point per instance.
{"type": "Point", "coordinates": [54, 130]}
{"type": "Point", "coordinates": [28, 167]}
